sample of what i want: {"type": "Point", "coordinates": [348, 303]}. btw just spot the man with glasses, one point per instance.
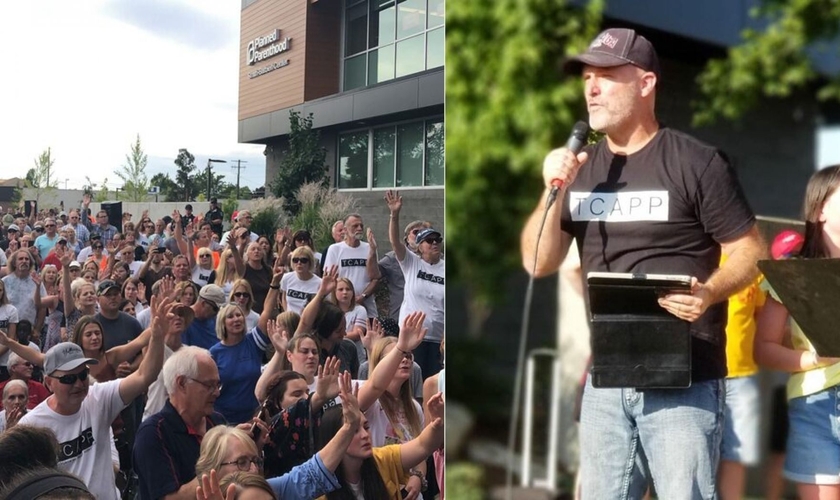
{"type": "Point", "coordinates": [75, 223]}
{"type": "Point", "coordinates": [389, 267]}
{"type": "Point", "coordinates": [46, 242]}
{"type": "Point", "coordinates": [21, 369]}
{"type": "Point", "coordinates": [202, 331]}
{"type": "Point", "coordinates": [168, 443]}
{"type": "Point", "coordinates": [80, 414]}
{"type": "Point", "coordinates": [12, 233]}
{"type": "Point", "coordinates": [103, 228]}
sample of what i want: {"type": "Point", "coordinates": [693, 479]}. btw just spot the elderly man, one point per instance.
{"type": "Point", "coordinates": [337, 236]}
{"type": "Point", "coordinates": [389, 267]}
{"type": "Point", "coordinates": [20, 287]}
{"type": "Point", "coordinates": [15, 395]}
{"type": "Point", "coordinates": [45, 242]}
{"type": "Point", "coordinates": [168, 443]}
{"type": "Point", "coordinates": [356, 261]}
{"type": "Point", "coordinates": [243, 219]}
{"type": "Point", "coordinates": [21, 369]}
{"type": "Point", "coordinates": [80, 414]}
{"type": "Point", "coordinates": [74, 221]}
{"type": "Point", "coordinates": [202, 331]}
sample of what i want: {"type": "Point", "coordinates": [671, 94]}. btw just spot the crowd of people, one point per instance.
{"type": "Point", "coordinates": [170, 358]}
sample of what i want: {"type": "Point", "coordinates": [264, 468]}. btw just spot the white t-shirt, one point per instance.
{"type": "Point", "coordinates": [84, 438]}
{"type": "Point", "coordinates": [353, 318]}
{"type": "Point", "coordinates": [87, 252]}
{"type": "Point", "coordinates": [251, 320]}
{"type": "Point", "coordinates": [382, 433]}
{"type": "Point", "coordinates": [352, 264]}
{"type": "Point", "coordinates": [201, 276]}
{"type": "Point", "coordinates": [223, 241]}
{"type": "Point", "coordinates": [297, 291]}
{"type": "Point", "coordinates": [424, 291]}
{"type": "Point", "coordinates": [21, 293]}
{"type": "Point", "coordinates": [157, 396]}
{"type": "Point", "coordinates": [144, 317]}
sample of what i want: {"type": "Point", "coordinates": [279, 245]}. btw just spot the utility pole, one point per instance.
{"type": "Point", "coordinates": [209, 176]}
{"type": "Point", "coordinates": [238, 168]}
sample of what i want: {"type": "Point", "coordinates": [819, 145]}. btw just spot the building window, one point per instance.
{"type": "Point", "coordinates": [407, 154]}
{"type": "Point", "coordinates": [387, 39]}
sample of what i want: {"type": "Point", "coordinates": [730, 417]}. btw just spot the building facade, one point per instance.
{"type": "Point", "coordinates": [371, 74]}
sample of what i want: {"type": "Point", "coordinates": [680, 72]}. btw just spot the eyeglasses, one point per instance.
{"type": "Point", "coordinates": [72, 378]}
{"type": "Point", "coordinates": [301, 260]}
{"type": "Point", "coordinates": [204, 255]}
{"type": "Point", "coordinates": [434, 240]}
{"type": "Point", "coordinates": [210, 386]}
{"type": "Point", "coordinates": [50, 225]}
{"type": "Point", "coordinates": [244, 463]}
{"type": "Point", "coordinates": [39, 229]}
{"type": "Point", "coordinates": [97, 247]}
{"type": "Point", "coordinates": [242, 295]}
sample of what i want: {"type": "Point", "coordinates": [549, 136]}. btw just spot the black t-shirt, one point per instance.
{"type": "Point", "coordinates": [151, 277]}
{"type": "Point", "coordinates": [664, 209]}
{"type": "Point", "coordinates": [260, 280]}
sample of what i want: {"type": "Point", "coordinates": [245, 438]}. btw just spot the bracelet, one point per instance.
{"type": "Point", "coordinates": [274, 287]}
{"type": "Point", "coordinates": [404, 352]}
{"type": "Point", "coordinates": [424, 485]}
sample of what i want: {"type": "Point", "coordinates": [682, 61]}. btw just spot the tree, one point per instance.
{"type": "Point", "coordinates": [41, 176]}
{"type": "Point", "coordinates": [133, 174]}
{"type": "Point", "coordinates": [168, 189]}
{"type": "Point", "coordinates": [771, 63]}
{"type": "Point", "coordinates": [303, 162]}
{"type": "Point", "coordinates": [184, 177]}
{"type": "Point", "coordinates": [507, 106]}
{"type": "Point", "coordinates": [217, 184]}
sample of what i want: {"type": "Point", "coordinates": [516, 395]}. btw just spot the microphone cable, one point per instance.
{"type": "Point", "coordinates": [520, 356]}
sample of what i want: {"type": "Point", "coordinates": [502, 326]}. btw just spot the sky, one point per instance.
{"type": "Point", "coordinates": [84, 78]}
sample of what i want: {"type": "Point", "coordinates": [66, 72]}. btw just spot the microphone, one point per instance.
{"type": "Point", "coordinates": [576, 142]}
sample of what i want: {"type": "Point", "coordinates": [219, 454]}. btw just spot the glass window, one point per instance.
{"type": "Point", "coordinates": [383, 157]}
{"type": "Point", "coordinates": [355, 30]}
{"type": "Point", "coordinates": [437, 10]}
{"type": "Point", "coordinates": [354, 72]}
{"type": "Point", "coordinates": [435, 48]}
{"type": "Point", "coordinates": [435, 139]}
{"type": "Point", "coordinates": [410, 56]}
{"type": "Point", "coordinates": [353, 160]}
{"type": "Point", "coordinates": [410, 154]}
{"type": "Point", "coordinates": [381, 65]}
{"type": "Point", "coordinates": [411, 17]}
{"type": "Point", "coordinates": [383, 20]}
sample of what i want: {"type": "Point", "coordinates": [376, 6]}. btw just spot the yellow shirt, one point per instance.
{"type": "Point", "coordinates": [389, 464]}
{"type": "Point", "coordinates": [740, 328]}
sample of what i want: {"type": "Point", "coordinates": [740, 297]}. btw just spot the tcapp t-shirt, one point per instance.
{"type": "Point", "coordinates": [664, 209]}
{"type": "Point", "coordinates": [424, 291]}
{"type": "Point", "coordinates": [297, 291]}
{"type": "Point", "coordinates": [352, 264]}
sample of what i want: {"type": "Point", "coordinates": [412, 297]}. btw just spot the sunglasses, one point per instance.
{"type": "Point", "coordinates": [434, 240]}
{"type": "Point", "coordinates": [39, 229]}
{"type": "Point", "coordinates": [204, 255]}
{"type": "Point", "coordinates": [26, 364]}
{"type": "Point", "coordinates": [72, 378]}
{"type": "Point", "coordinates": [50, 225]}
{"type": "Point", "coordinates": [242, 295]}
{"type": "Point", "coordinates": [97, 247]}
{"type": "Point", "coordinates": [300, 260]}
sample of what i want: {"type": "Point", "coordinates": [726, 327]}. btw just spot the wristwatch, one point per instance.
{"type": "Point", "coordinates": [424, 485]}
{"type": "Point", "coordinates": [364, 295]}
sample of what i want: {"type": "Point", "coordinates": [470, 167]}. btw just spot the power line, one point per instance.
{"type": "Point", "coordinates": [238, 168]}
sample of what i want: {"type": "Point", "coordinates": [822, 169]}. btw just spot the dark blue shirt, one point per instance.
{"type": "Point", "coordinates": [239, 369]}
{"type": "Point", "coordinates": [201, 333]}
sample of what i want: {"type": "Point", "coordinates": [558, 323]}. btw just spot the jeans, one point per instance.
{"type": "Point", "coordinates": [671, 436]}
{"type": "Point", "coordinates": [742, 421]}
{"type": "Point", "coordinates": [813, 447]}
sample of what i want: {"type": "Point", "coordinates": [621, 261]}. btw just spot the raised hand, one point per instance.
{"type": "Point", "coordinates": [14, 415]}
{"type": "Point", "coordinates": [86, 199]}
{"type": "Point", "coordinates": [327, 386]}
{"type": "Point", "coordinates": [412, 331]}
{"type": "Point", "coordinates": [435, 404]}
{"type": "Point", "coordinates": [4, 337]}
{"type": "Point", "coordinates": [328, 281]}
{"type": "Point", "coordinates": [210, 489]}
{"type": "Point", "coordinates": [65, 256]}
{"type": "Point", "coordinates": [393, 200]}
{"type": "Point", "coordinates": [371, 240]}
{"type": "Point", "coordinates": [231, 240]}
{"type": "Point", "coordinates": [176, 216]}
{"type": "Point", "coordinates": [372, 334]}
{"type": "Point", "coordinates": [141, 289]}
{"type": "Point", "coordinates": [278, 336]}
{"type": "Point", "coordinates": [349, 401]}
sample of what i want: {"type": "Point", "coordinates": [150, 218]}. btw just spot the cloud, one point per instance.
{"type": "Point", "coordinates": [174, 21]}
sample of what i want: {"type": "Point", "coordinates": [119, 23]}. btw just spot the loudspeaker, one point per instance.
{"type": "Point", "coordinates": [114, 210]}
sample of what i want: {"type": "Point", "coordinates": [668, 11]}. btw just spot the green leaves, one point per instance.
{"type": "Point", "coordinates": [303, 161]}
{"type": "Point", "coordinates": [507, 107]}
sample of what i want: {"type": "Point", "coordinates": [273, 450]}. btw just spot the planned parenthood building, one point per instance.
{"type": "Point", "coordinates": [371, 73]}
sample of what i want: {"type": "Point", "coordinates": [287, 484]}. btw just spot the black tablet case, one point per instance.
{"type": "Point", "coordinates": [635, 342]}
{"type": "Point", "coordinates": [810, 290]}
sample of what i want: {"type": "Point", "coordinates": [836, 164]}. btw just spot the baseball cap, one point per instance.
{"type": "Point", "coordinates": [62, 214]}
{"type": "Point", "coordinates": [106, 285]}
{"type": "Point", "coordinates": [95, 236]}
{"type": "Point", "coordinates": [786, 244]}
{"type": "Point", "coordinates": [61, 239]}
{"type": "Point", "coordinates": [187, 207]}
{"type": "Point", "coordinates": [427, 233]}
{"type": "Point", "coordinates": [213, 200]}
{"type": "Point", "coordinates": [75, 264]}
{"type": "Point", "coordinates": [213, 294]}
{"type": "Point", "coordinates": [13, 227]}
{"type": "Point", "coordinates": [616, 47]}
{"type": "Point", "coordinates": [185, 312]}
{"type": "Point", "coordinates": [65, 356]}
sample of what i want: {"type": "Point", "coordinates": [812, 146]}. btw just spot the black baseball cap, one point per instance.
{"type": "Point", "coordinates": [105, 286]}
{"type": "Point", "coordinates": [616, 47]}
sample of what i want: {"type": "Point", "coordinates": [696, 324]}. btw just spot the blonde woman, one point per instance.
{"type": "Point", "coordinates": [226, 274]}
{"type": "Point", "coordinates": [301, 285]}
{"type": "Point", "coordinates": [243, 295]}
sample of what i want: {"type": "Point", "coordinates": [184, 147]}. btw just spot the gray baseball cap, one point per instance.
{"type": "Point", "coordinates": [213, 294]}
{"type": "Point", "coordinates": [65, 356]}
